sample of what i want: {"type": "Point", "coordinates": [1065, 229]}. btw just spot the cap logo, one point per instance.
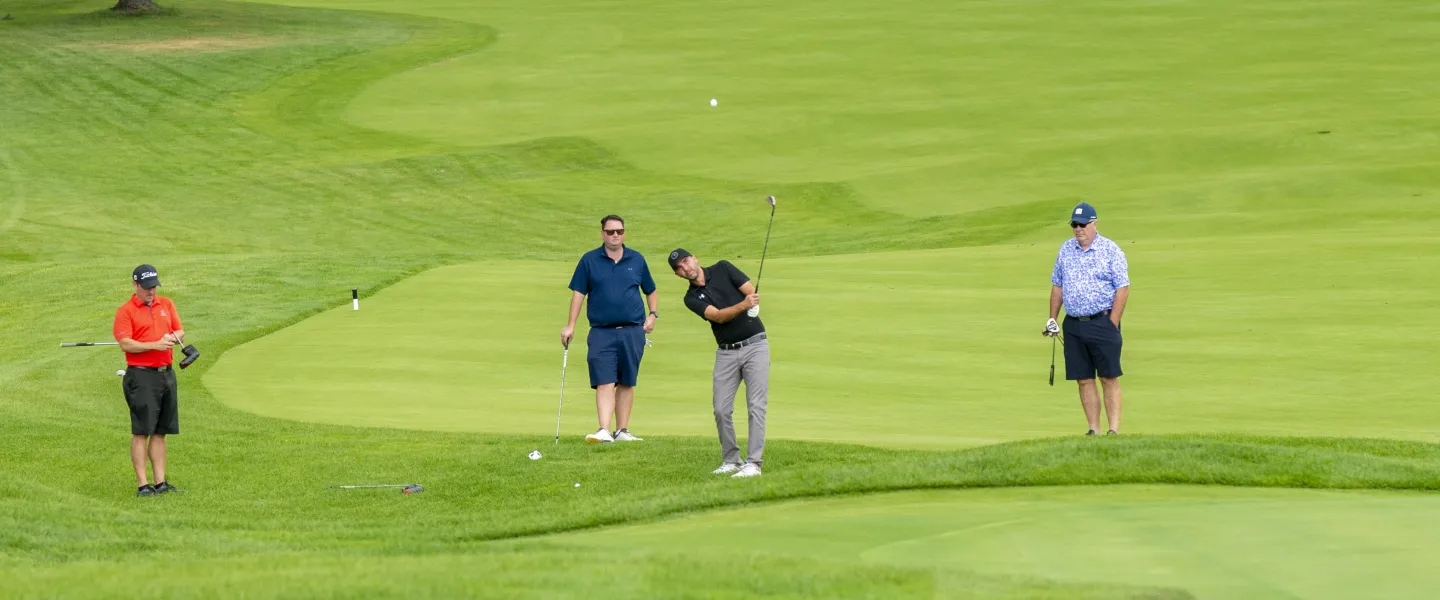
{"type": "Point", "coordinates": [1079, 210]}
{"type": "Point", "coordinates": [673, 255]}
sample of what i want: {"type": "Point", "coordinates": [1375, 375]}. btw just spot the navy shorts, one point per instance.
{"type": "Point", "coordinates": [1092, 347]}
{"type": "Point", "coordinates": [614, 354]}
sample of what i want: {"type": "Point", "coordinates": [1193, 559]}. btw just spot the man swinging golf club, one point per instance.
{"type": "Point", "coordinates": [724, 296]}
{"type": "Point", "coordinates": [609, 276]}
{"type": "Point", "coordinates": [1092, 279]}
{"type": "Point", "coordinates": [147, 326]}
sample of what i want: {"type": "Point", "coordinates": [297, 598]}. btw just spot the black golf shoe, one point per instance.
{"type": "Point", "coordinates": [1091, 432]}
{"type": "Point", "coordinates": [146, 490]}
{"type": "Point", "coordinates": [164, 487]}
{"type": "Point", "coordinates": [1112, 432]}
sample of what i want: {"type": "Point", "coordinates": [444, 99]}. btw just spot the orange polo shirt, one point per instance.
{"type": "Point", "coordinates": [143, 323]}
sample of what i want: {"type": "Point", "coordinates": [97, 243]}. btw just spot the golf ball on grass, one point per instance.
{"type": "Point", "coordinates": [714, 102]}
{"type": "Point", "coordinates": [534, 455]}
{"type": "Point", "coordinates": [577, 484]}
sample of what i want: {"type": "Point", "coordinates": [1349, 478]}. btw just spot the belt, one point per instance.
{"type": "Point", "coordinates": [617, 326]}
{"type": "Point", "coordinates": [754, 339]}
{"type": "Point", "coordinates": [156, 369]}
{"type": "Point", "coordinates": [1103, 313]}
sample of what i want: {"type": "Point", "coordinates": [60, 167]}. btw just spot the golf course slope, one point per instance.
{"type": "Point", "coordinates": [1268, 168]}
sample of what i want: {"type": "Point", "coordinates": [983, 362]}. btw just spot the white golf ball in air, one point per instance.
{"type": "Point", "coordinates": [714, 102]}
{"type": "Point", "coordinates": [534, 455]}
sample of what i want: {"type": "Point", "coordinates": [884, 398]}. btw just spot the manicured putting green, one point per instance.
{"type": "Point", "coordinates": [930, 348]}
{"type": "Point", "coordinates": [1220, 543]}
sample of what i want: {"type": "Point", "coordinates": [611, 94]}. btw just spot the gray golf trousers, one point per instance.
{"type": "Point", "coordinates": [752, 365]}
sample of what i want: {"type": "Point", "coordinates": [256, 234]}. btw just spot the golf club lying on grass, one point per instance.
{"type": "Point", "coordinates": [83, 344]}
{"type": "Point", "coordinates": [406, 488]}
{"type": "Point", "coordinates": [755, 311]}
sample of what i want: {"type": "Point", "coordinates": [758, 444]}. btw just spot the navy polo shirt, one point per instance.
{"type": "Point", "coordinates": [611, 285]}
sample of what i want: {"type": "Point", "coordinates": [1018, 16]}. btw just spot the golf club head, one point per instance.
{"type": "Point", "coordinates": [413, 489]}
{"type": "Point", "coordinates": [191, 354]}
{"type": "Point", "coordinates": [771, 200]}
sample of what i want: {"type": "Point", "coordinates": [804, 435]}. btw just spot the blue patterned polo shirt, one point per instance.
{"type": "Point", "coordinates": [1091, 276]}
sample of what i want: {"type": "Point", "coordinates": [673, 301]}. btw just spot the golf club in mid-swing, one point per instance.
{"type": "Point", "coordinates": [755, 311]}
{"type": "Point", "coordinates": [84, 344]}
{"type": "Point", "coordinates": [564, 362]}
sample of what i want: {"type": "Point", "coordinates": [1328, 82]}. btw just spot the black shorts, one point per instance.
{"type": "Point", "coordinates": [153, 400]}
{"type": "Point", "coordinates": [1092, 347]}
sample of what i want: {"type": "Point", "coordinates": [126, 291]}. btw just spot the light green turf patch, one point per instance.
{"type": "Point", "coordinates": [1213, 542]}
{"type": "Point", "coordinates": [934, 348]}
{"type": "Point", "coordinates": [930, 111]}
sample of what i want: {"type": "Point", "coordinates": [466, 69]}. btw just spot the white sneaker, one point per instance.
{"type": "Point", "coordinates": [601, 436]}
{"type": "Point", "coordinates": [726, 469]}
{"type": "Point", "coordinates": [624, 436]}
{"type": "Point", "coordinates": [749, 470]}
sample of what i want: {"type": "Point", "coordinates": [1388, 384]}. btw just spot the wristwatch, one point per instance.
{"type": "Point", "coordinates": [654, 314]}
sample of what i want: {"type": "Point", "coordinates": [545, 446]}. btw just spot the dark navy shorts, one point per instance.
{"type": "Point", "coordinates": [614, 354]}
{"type": "Point", "coordinates": [1092, 347]}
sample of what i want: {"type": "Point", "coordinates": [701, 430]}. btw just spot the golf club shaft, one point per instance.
{"type": "Point", "coordinates": [564, 363]}
{"type": "Point", "coordinates": [765, 251]}
{"type": "Point", "coordinates": [362, 487]}
{"type": "Point", "coordinates": [1053, 339]}
{"type": "Point", "coordinates": [83, 344]}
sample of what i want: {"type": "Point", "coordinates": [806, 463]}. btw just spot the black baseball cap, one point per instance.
{"type": "Point", "coordinates": [678, 255]}
{"type": "Point", "coordinates": [146, 276]}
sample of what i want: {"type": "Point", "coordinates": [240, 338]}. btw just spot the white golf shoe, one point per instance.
{"type": "Point", "coordinates": [624, 436]}
{"type": "Point", "coordinates": [726, 469]}
{"type": "Point", "coordinates": [749, 470]}
{"type": "Point", "coordinates": [601, 436]}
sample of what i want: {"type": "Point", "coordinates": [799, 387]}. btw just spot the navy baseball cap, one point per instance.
{"type": "Point", "coordinates": [146, 276]}
{"type": "Point", "coordinates": [678, 255]}
{"type": "Point", "coordinates": [1083, 213]}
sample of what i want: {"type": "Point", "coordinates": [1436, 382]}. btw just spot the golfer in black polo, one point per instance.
{"type": "Point", "coordinates": [610, 276]}
{"type": "Point", "coordinates": [725, 297]}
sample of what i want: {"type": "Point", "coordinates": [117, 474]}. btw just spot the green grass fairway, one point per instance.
{"type": "Point", "coordinates": [941, 342]}
{"type": "Point", "coordinates": [1270, 169]}
{"type": "Point", "coordinates": [1214, 542]}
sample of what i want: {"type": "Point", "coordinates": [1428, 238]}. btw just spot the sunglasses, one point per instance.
{"type": "Point", "coordinates": [614, 231]}
{"type": "Point", "coordinates": [1077, 224]}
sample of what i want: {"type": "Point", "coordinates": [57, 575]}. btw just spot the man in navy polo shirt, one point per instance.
{"type": "Point", "coordinates": [1092, 279]}
{"type": "Point", "coordinates": [610, 275]}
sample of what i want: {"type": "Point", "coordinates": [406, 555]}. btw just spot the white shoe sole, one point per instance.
{"type": "Point", "coordinates": [594, 440]}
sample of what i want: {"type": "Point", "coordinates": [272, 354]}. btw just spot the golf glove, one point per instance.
{"type": "Point", "coordinates": [753, 312]}
{"type": "Point", "coordinates": [1052, 328]}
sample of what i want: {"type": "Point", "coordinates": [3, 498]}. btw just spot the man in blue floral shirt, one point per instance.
{"type": "Point", "coordinates": [1092, 280]}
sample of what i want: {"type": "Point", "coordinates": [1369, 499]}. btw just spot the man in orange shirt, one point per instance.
{"type": "Point", "coordinates": [147, 326]}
